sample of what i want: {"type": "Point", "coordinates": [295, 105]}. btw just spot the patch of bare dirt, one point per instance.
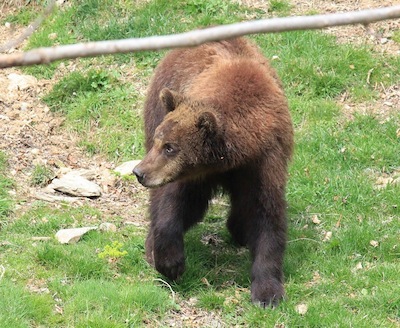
{"type": "Point", "coordinates": [382, 109]}
{"type": "Point", "coordinates": [32, 135]}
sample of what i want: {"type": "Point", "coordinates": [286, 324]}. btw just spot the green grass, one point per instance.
{"type": "Point", "coordinates": [344, 281]}
{"type": "Point", "coordinates": [280, 7]}
{"type": "Point", "coordinates": [396, 36]}
{"type": "Point", "coordinates": [41, 175]}
{"type": "Point", "coordinates": [5, 186]}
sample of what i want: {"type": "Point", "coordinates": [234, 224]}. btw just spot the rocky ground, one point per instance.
{"type": "Point", "coordinates": [32, 135]}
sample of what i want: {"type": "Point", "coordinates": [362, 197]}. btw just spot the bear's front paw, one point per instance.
{"type": "Point", "coordinates": [266, 293]}
{"type": "Point", "coordinates": [170, 262]}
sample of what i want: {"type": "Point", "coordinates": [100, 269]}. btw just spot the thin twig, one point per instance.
{"type": "Point", "coordinates": [193, 38]}
{"type": "Point", "coordinates": [30, 29]}
{"type": "Point", "coordinates": [369, 75]}
{"type": "Point", "coordinates": [168, 285]}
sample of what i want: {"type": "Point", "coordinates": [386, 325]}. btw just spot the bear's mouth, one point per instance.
{"type": "Point", "coordinates": [153, 184]}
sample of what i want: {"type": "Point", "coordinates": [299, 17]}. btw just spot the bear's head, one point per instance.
{"type": "Point", "coordinates": [186, 145]}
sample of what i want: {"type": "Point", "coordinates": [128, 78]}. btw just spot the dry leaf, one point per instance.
{"type": "Point", "coordinates": [315, 219]}
{"type": "Point", "coordinates": [374, 243]}
{"type": "Point", "coordinates": [359, 266]}
{"type": "Point", "coordinates": [302, 309]}
{"type": "Point", "coordinates": [327, 236]}
{"type": "Point", "coordinates": [316, 279]}
{"type": "Point", "coordinates": [58, 309]}
{"type": "Point", "coordinates": [337, 225]}
{"type": "Point", "coordinates": [205, 281]}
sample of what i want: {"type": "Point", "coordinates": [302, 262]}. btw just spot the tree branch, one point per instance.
{"type": "Point", "coordinates": [29, 30]}
{"type": "Point", "coordinates": [193, 38]}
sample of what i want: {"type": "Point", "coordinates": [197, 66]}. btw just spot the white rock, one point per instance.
{"type": "Point", "coordinates": [50, 195]}
{"type": "Point", "coordinates": [107, 226]}
{"type": "Point", "coordinates": [21, 82]}
{"type": "Point", "coordinates": [127, 167]}
{"type": "Point", "coordinates": [70, 236]}
{"type": "Point", "coordinates": [76, 185]}
{"type": "Point", "coordinates": [87, 174]}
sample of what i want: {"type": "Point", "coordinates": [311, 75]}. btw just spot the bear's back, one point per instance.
{"type": "Point", "coordinates": [231, 73]}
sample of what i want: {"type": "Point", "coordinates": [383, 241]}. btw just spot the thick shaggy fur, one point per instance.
{"type": "Point", "coordinates": [216, 116]}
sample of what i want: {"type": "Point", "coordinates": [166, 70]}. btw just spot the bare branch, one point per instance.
{"type": "Point", "coordinates": [192, 38]}
{"type": "Point", "coordinates": [29, 30]}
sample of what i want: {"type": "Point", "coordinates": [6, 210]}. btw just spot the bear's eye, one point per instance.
{"type": "Point", "coordinates": [170, 149]}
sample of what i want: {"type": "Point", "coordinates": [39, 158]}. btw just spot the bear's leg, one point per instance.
{"type": "Point", "coordinates": [258, 220]}
{"type": "Point", "coordinates": [174, 208]}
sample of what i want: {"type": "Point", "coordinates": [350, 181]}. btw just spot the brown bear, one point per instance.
{"type": "Point", "coordinates": [216, 116]}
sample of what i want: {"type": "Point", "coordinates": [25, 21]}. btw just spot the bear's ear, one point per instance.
{"type": "Point", "coordinates": [170, 99]}
{"type": "Point", "coordinates": [208, 122]}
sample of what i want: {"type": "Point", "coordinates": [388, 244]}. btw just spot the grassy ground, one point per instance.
{"type": "Point", "coordinates": [343, 261]}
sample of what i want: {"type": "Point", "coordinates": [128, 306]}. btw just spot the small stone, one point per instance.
{"type": "Point", "coordinates": [21, 82]}
{"type": "Point", "coordinates": [127, 167]}
{"type": "Point", "coordinates": [52, 36]}
{"type": "Point", "coordinates": [50, 195]}
{"type": "Point", "coordinates": [374, 243]}
{"type": "Point", "coordinates": [301, 309]}
{"type": "Point", "coordinates": [76, 186]}
{"type": "Point", "coordinates": [71, 236]}
{"type": "Point", "coordinates": [107, 226]}
{"type": "Point", "coordinates": [315, 219]}
{"type": "Point", "coordinates": [25, 106]}
{"type": "Point", "coordinates": [384, 40]}
{"type": "Point", "coordinates": [327, 236]}
{"type": "Point", "coordinates": [87, 174]}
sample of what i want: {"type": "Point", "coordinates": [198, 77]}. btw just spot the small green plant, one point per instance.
{"type": "Point", "coordinates": [279, 6]}
{"type": "Point", "coordinates": [77, 84]}
{"type": "Point", "coordinates": [396, 36]}
{"type": "Point", "coordinates": [41, 176]}
{"type": "Point", "coordinates": [113, 252]}
{"type": "Point", "coordinates": [5, 185]}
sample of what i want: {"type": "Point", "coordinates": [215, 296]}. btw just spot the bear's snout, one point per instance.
{"type": "Point", "coordinates": [139, 174]}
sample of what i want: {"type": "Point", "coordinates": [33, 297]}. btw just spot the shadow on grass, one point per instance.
{"type": "Point", "coordinates": [214, 260]}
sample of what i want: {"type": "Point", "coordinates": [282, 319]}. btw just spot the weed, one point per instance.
{"type": "Point", "coordinates": [77, 84]}
{"type": "Point", "coordinates": [113, 252]}
{"type": "Point", "coordinates": [5, 186]}
{"type": "Point", "coordinates": [280, 7]}
{"type": "Point", "coordinates": [42, 176]}
{"type": "Point", "coordinates": [396, 36]}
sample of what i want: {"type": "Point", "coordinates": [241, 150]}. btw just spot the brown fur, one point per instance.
{"type": "Point", "coordinates": [216, 115]}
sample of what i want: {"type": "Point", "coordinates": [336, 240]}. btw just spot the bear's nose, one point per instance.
{"type": "Point", "coordinates": [139, 174]}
